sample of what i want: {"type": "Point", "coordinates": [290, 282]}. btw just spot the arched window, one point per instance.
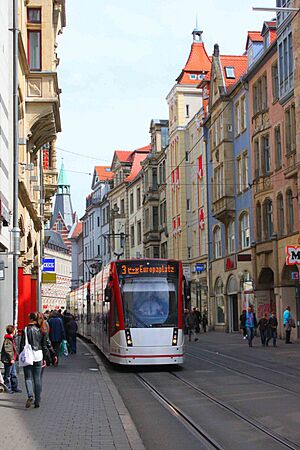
{"type": "Point", "coordinates": [217, 242]}
{"type": "Point", "coordinates": [230, 238]}
{"type": "Point", "coordinates": [245, 230]}
{"type": "Point", "coordinates": [290, 211]}
{"type": "Point", "coordinates": [258, 222]}
{"type": "Point", "coordinates": [280, 215]}
{"type": "Point", "coordinates": [268, 218]}
{"type": "Point", "coordinates": [59, 226]}
{"type": "Point", "coordinates": [220, 304]}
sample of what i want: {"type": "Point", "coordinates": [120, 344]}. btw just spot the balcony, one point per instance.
{"type": "Point", "coordinates": [223, 208]}
{"type": "Point", "coordinates": [151, 235]}
{"type": "Point", "coordinates": [152, 194]}
{"type": "Point", "coordinates": [50, 182]}
{"type": "Point", "coordinates": [291, 165]}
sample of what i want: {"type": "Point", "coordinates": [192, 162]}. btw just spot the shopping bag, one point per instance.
{"type": "Point", "coordinates": [26, 355]}
{"type": "Point", "coordinates": [63, 349]}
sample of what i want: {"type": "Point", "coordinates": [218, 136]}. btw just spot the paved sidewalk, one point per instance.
{"type": "Point", "coordinates": [80, 409]}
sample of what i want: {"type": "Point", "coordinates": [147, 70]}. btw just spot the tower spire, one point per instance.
{"type": "Point", "coordinates": [197, 33]}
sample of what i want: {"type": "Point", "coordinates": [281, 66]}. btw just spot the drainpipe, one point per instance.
{"type": "Point", "coordinates": [15, 231]}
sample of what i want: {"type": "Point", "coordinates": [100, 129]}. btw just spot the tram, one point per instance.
{"type": "Point", "coordinates": [133, 311]}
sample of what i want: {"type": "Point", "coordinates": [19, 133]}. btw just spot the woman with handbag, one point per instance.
{"type": "Point", "coordinates": [48, 353]}
{"type": "Point", "coordinates": [32, 346]}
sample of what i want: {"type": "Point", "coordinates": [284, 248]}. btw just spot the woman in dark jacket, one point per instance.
{"type": "Point", "coordinates": [71, 331]}
{"type": "Point", "coordinates": [32, 373]}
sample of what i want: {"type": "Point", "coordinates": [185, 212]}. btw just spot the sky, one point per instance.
{"type": "Point", "coordinates": [119, 60]}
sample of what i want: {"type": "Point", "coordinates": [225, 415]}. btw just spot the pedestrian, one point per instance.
{"type": "Point", "coordinates": [32, 373]}
{"type": "Point", "coordinates": [185, 314]}
{"type": "Point", "coordinates": [243, 323]}
{"type": "Point", "coordinates": [204, 322]}
{"type": "Point", "coordinates": [71, 331]}
{"type": "Point", "coordinates": [57, 332]}
{"type": "Point", "coordinates": [272, 329]}
{"type": "Point", "coordinates": [48, 352]}
{"type": "Point", "coordinates": [287, 323]}
{"type": "Point", "coordinates": [251, 324]}
{"type": "Point", "coordinates": [263, 328]}
{"type": "Point", "coordinates": [197, 315]}
{"type": "Point", "coordinates": [9, 357]}
{"type": "Point", "coordinates": [191, 323]}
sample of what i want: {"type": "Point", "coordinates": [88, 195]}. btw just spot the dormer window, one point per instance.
{"type": "Point", "coordinates": [201, 76]}
{"type": "Point", "coordinates": [193, 76]}
{"type": "Point", "coordinates": [229, 72]}
{"type": "Point", "coordinates": [267, 40]}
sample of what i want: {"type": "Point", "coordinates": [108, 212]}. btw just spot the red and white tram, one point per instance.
{"type": "Point", "coordinates": [132, 310]}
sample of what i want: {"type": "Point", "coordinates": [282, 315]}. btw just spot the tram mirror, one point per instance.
{"type": "Point", "coordinates": [107, 294]}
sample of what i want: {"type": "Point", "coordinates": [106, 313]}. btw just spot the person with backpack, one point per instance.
{"type": "Point", "coordinates": [32, 372]}
{"type": "Point", "coordinates": [57, 332]}
{"type": "Point", "coordinates": [9, 357]}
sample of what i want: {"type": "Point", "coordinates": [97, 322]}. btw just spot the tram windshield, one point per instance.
{"type": "Point", "coordinates": [149, 302]}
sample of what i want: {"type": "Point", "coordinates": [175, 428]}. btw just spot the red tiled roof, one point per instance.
{"type": "Point", "coordinates": [239, 63]}
{"type": "Point", "coordinates": [123, 155]}
{"type": "Point", "coordinates": [273, 35]}
{"type": "Point", "coordinates": [147, 148]}
{"type": "Point", "coordinates": [104, 173]}
{"type": "Point", "coordinates": [254, 36]}
{"type": "Point", "coordinates": [198, 62]}
{"type": "Point", "coordinates": [136, 167]}
{"type": "Point", "coordinates": [77, 231]}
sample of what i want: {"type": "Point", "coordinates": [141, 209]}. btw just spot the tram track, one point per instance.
{"type": "Point", "coordinates": [190, 423]}
{"type": "Point", "coordinates": [244, 374]}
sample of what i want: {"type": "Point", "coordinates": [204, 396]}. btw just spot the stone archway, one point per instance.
{"type": "Point", "coordinates": [289, 289]}
{"type": "Point", "coordinates": [265, 295]}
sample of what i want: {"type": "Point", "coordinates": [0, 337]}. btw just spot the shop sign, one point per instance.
{"type": "Point", "coordinates": [48, 265]}
{"type": "Point", "coordinates": [230, 263]}
{"type": "Point", "coordinates": [48, 277]}
{"type": "Point", "coordinates": [295, 275]}
{"type": "Point", "coordinates": [186, 271]}
{"type": "Point", "coordinates": [200, 267]}
{"type": "Point", "coordinates": [293, 255]}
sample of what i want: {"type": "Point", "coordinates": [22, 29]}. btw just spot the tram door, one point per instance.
{"type": "Point", "coordinates": [233, 313]}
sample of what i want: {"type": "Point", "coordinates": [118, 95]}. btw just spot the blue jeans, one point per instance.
{"type": "Point", "coordinates": [10, 376]}
{"type": "Point", "coordinates": [272, 334]}
{"type": "Point", "coordinates": [33, 380]}
{"type": "Point", "coordinates": [250, 335]}
{"type": "Point", "coordinates": [72, 342]}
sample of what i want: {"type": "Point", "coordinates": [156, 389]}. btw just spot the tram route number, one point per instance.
{"type": "Point", "coordinates": [141, 269]}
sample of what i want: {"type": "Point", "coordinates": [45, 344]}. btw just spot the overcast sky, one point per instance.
{"type": "Point", "coordinates": [119, 60]}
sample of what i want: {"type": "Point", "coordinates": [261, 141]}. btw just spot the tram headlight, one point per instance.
{"type": "Point", "coordinates": [128, 337]}
{"type": "Point", "coordinates": [175, 336]}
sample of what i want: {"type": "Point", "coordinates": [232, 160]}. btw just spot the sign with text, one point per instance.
{"type": "Point", "coordinates": [147, 268]}
{"type": "Point", "coordinates": [48, 278]}
{"type": "Point", "coordinates": [200, 267]}
{"type": "Point", "coordinates": [293, 255]}
{"type": "Point", "coordinates": [48, 265]}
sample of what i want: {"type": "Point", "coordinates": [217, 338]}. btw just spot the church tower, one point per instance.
{"type": "Point", "coordinates": [62, 218]}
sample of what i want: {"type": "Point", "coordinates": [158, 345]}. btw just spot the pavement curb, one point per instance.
{"type": "Point", "coordinates": [130, 429]}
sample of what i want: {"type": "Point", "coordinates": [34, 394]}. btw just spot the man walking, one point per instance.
{"type": "Point", "coordinates": [272, 329]}
{"type": "Point", "coordinates": [191, 323]}
{"type": "Point", "coordinates": [251, 324]}
{"type": "Point", "coordinates": [263, 326]}
{"type": "Point", "coordinates": [57, 332]}
{"type": "Point", "coordinates": [287, 323]}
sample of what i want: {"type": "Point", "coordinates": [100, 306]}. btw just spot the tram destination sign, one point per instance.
{"type": "Point", "coordinates": [147, 268]}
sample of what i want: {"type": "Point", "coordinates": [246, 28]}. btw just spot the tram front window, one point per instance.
{"type": "Point", "coordinates": [149, 303]}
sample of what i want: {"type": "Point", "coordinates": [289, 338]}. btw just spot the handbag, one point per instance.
{"type": "Point", "coordinates": [26, 355]}
{"type": "Point", "coordinates": [293, 323]}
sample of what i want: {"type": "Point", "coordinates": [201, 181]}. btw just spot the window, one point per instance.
{"type": "Point", "coordinates": [266, 154]}
{"type": "Point", "coordinates": [258, 222]}
{"type": "Point", "coordinates": [147, 219]}
{"type": "Point", "coordinates": [138, 198]}
{"type": "Point", "coordinates": [278, 151]}
{"type": "Point", "coordinates": [231, 238]}
{"type": "Point", "coordinates": [256, 159]}
{"type": "Point", "coordinates": [275, 86]}
{"type": "Point", "coordinates": [34, 15]}
{"type": "Point", "coordinates": [229, 71]}
{"type": "Point", "coordinates": [155, 217]}
{"type": "Point", "coordinates": [264, 92]}
{"type": "Point", "coordinates": [286, 63]}
{"type": "Point", "coordinates": [132, 235]}
{"type": "Point", "coordinates": [155, 251]}
{"type": "Point", "coordinates": [217, 242]}
{"type": "Point", "coordinates": [239, 175]}
{"type": "Point", "coordinates": [290, 211]}
{"type": "Point", "coordinates": [139, 232]}
{"type": "Point", "coordinates": [290, 127]}
{"type": "Point", "coordinates": [268, 218]}
{"type": "Point", "coordinates": [187, 155]}
{"type": "Point", "coordinates": [260, 95]}
{"type": "Point", "coordinates": [131, 203]}
{"type": "Point", "coordinates": [218, 182]}
{"type": "Point", "coordinates": [34, 50]}
{"type": "Point", "coordinates": [280, 215]}
{"type": "Point", "coordinates": [245, 230]}
{"type": "Point", "coordinates": [245, 177]}
{"type": "Point", "coordinates": [243, 114]}
{"type": "Point", "coordinates": [98, 250]}
{"type": "Point", "coordinates": [188, 204]}
{"type": "Point", "coordinates": [122, 208]}
{"type": "Point", "coordinates": [237, 119]}
{"type": "Point", "coordinates": [193, 76]}
{"type": "Point", "coordinates": [187, 110]}
{"type": "Point", "coordinates": [220, 303]}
